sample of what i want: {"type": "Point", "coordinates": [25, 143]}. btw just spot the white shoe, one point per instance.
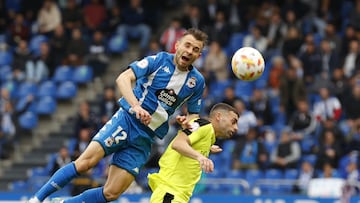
{"type": "Point", "coordinates": [57, 200]}
{"type": "Point", "coordinates": [34, 200]}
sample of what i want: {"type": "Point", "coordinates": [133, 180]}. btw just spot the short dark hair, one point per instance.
{"type": "Point", "coordinates": [198, 34]}
{"type": "Point", "coordinates": [223, 106]}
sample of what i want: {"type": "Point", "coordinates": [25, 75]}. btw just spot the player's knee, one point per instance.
{"type": "Point", "coordinates": [111, 195]}
{"type": "Point", "coordinates": [83, 165]}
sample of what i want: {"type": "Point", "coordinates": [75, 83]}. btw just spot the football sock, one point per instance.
{"type": "Point", "coordinates": [60, 178]}
{"type": "Point", "coordinates": [94, 195]}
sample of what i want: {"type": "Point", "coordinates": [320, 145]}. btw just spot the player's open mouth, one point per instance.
{"type": "Point", "coordinates": [185, 58]}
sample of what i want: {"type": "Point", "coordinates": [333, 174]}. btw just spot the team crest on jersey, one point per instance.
{"type": "Point", "coordinates": [168, 96]}
{"type": "Point", "coordinates": [191, 82]}
{"type": "Point", "coordinates": [143, 63]}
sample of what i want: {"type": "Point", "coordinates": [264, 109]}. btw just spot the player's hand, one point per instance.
{"type": "Point", "coordinates": [141, 114]}
{"type": "Point", "coordinates": [215, 149]}
{"type": "Point", "coordinates": [206, 164]}
{"type": "Point", "coordinates": [181, 120]}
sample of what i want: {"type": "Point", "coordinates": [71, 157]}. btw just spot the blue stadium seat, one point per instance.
{"type": "Point", "coordinates": [217, 88]}
{"type": "Point", "coordinates": [117, 44]}
{"type": "Point", "coordinates": [27, 88]}
{"type": "Point", "coordinates": [235, 43]}
{"type": "Point", "coordinates": [6, 58]}
{"type": "Point", "coordinates": [306, 145]}
{"type": "Point", "coordinates": [66, 90]}
{"type": "Point", "coordinates": [243, 89]}
{"type": "Point", "coordinates": [39, 171]}
{"type": "Point", "coordinates": [253, 175]}
{"type": "Point", "coordinates": [82, 74]}
{"type": "Point", "coordinates": [22, 101]}
{"type": "Point", "coordinates": [291, 174]}
{"type": "Point", "coordinates": [47, 88]}
{"type": "Point", "coordinates": [19, 186]}
{"type": "Point", "coordinates": [311, 158]}
{"type": "Point", "coordinates": [5, 73]}
{"type": "Point", "coordinates": [269, 175]}
{"type": "Point", "coordinates": [35, 43]}
{"type": "Point", "coordinates": [28, 120]}
{"type": "Point", "coordinates": [46, 105]}
{"type": "Point", "coordinates": [63, 74]}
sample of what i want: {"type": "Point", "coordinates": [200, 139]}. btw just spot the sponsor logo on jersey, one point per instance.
{"type": "Point", "coordinates": [167, 96]}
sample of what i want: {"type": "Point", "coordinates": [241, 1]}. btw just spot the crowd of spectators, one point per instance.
{"type": "Point", "coordinates": [301, 114]}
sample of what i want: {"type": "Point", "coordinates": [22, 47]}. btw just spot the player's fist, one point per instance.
{"type": "Point", "coordinates": [141, 114]}
{"type": "Point", "coordinates": [206, 164]}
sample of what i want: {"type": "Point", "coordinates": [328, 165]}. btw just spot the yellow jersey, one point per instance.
{"type": "Point", "coordinates": [179, 174]}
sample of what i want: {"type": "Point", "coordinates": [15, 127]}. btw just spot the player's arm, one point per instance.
{"type": "Point", "coordinates": [182, 145]}
{"type": "Point", "coordinates": [124, 83]}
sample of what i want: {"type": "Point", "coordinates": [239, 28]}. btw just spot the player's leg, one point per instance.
{"type": "Point", "coordinates": [88, 159]}
{"type": "Point", "coordinates": [117, 182]}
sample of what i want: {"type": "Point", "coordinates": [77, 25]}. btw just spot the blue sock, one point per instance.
{"type": "Point", "coordinates": [60, 178]}
{"type": "Point", "coordinates": [94, 195]}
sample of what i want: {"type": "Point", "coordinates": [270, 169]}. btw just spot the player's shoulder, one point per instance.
{"type": "Point", "coordinates": [196, 124]}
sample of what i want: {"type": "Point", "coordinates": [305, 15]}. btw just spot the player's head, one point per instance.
{"type": "Point", "coordinates": [224, 119]}
{"type": "Point", "coordinates": [189, 48]}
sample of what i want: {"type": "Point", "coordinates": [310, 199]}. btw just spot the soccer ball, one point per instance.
{"type": "Point", "coordinates": [247, 64]}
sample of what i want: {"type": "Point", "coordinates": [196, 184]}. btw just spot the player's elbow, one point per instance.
{"type": "Point", "coordinates": [176, 145]}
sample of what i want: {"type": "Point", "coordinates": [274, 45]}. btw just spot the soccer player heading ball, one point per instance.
{"type": "Point", "coordinates": [163, 83]}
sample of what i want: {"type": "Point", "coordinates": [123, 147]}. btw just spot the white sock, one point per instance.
{"type": "Point", "coordinates": [34, 200]}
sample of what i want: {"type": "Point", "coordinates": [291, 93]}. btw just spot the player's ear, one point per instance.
{"type": "Point", "coordinates": [177, 45]}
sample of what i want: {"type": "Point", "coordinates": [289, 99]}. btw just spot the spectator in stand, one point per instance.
{"type": "Point", "coordinates": [216, 62]}
{"type": "Point", "coordinates": [77, 48]}
{"type": "Point", "coordinates": [37, 70]}
{"type": "Point", "coordinates": [291, 20]}
{"type": "Point", "coordinates": [302, 122]}
{"type": "Point", "coordinates": [276, 32]}
{"type": "Point", "coordinates": [192, 17]}
{"type": "Point", "coordinates": [19, 30]}
{"type": "Point", "coordinates": [260, 105]}
{"type": "Point", "coordinates": [333, 38]}
{"type": "Point", "coordinates": [22, 54]}
{"type": "Point", "coordinates": [351, 61]}
{"type": "Point", "coordinates": [354, 17]}
{"type": "Point", "coordinates": [329, 107]}
{"type": "Point", "coordinates": [312, 63]}
{"type": "Point", "coordinates": [83, 140]}
{"type": "Point", "coordinates": [154, 47]}
{"type": "Point", "coordinates": [10, 128]}
{"type": "Point", "coordinates": [292, 89]}
{"type": "Point", "coordinates": [277, 70]}
{"type": "Point", "coordinates": [329, 150]}
{"type": "Point", "coordinates": [349, 35]}
{"type": "Point", "coordinates": [249, 152]}
{"type": "Point", "coordinates": [114, 20]}
{"type": "Point", "coordinates": [134, 24]}
{"type": "Point", "coordinates": [63, 158]}
{"type": "Point", "coordinates": [94, 22]}
{"type": "Point", "coordinates": [97, 56]}
{"type": "Point", "coordinates": [220, 30]}
{"type": "Point", "coordinates": [171, 35]}
{"type": "Point", "coordinates": [72, 16]}
{"type": "Point", "coordinates": [256, 39]}
{"type": "Point", "coordinates": [58, 44]}
{"type": "Point", "coordinates": [49, 17]}
{"type": "Point", "coordinates": [209, 11]}
{"type": "Point", "coordinates": [247, 119]}
{"type": "Point", "coordinates": [328, 171]}
{"type": "Point", "coordinates": [229, 96]}
{"type": "Point", "coordinates": [108, 104]}
{"type": "Point", "coordinates": [351, 111]}
{"type": "Point", "coordinates": [85, 118]}
{"type": "Point", "coordinates": [236, 11]}
{"type": "Point", "coordinates": [292, 43]}
{"type": "Point", "coordinates": [330, 59]}
{"type": "Point", "coordinates": [306, 173]}
{"type": "Point", "coordinates": [286, 154]}
{"type": "Point", "coordinates": [341, 84]}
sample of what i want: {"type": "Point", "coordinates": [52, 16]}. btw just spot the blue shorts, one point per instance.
{"type": "Point", "coordinates": [128, 140]}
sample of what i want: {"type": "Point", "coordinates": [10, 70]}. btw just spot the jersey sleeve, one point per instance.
{"type": "Point", "coordinates": [145, 66]}
{"type": "Point", "coordinates": [194, 103]}
{"type": "Point", "coordinates": [200, 133]}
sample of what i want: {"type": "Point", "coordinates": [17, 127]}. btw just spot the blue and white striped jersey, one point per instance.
{"type": "Point", "coordinates": [161, 88]}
